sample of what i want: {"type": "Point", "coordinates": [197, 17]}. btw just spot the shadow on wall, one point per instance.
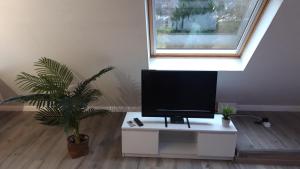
{"type": "Point", "coordinates": [128, 90]}
{"type": "Point", "coordinates": [122, 90]}
{"type": "Point", "coordinates": [7, 92]}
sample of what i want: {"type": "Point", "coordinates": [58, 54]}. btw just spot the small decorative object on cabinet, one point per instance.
{"type": "Point", "coordinates": [58, 105]}
{"type": "Point", "coordinates": [227, 111]}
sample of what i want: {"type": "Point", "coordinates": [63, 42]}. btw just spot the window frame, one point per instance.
{"type": "Point", "coordinates": [202, 52]}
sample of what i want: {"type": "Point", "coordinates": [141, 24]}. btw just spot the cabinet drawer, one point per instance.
{"type": "Point", "coordinates": [139, 142]}
{"type": "Point", "coordinates": [216, 144]}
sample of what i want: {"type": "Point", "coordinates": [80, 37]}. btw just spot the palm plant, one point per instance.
{"type": "Point", "coordinates": [51, 94]}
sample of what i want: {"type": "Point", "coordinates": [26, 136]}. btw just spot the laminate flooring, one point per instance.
{"type": "Point", "coordinates": [25, 144]}
{"type": "Point", "coordinates": [284, 134]}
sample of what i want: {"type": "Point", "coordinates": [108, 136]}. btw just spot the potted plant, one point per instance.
{"type": "Point", "coordinates": [57, 104]}
{"type": "Point", "coordinates": [227, 111]}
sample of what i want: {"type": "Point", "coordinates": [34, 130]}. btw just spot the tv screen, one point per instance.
{"type": "Point", "coordinates": [178, 93]}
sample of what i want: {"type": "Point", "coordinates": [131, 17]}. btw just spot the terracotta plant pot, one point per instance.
{"type": "Point", "coordinates": [225, 122]}
{"type": "Point", "coordinates": [78, 150]}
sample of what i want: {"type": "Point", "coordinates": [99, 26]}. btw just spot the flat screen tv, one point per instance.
{"type": "Point", "coordinates": [178, 94]}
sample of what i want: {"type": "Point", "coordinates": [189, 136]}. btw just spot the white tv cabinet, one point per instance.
{"type": "Point", "coordinates": [206, 139]}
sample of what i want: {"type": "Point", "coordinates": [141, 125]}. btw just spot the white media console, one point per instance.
{"type": "Point", "coordinates": [206, 139]}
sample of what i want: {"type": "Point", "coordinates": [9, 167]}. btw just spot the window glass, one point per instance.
{"type": "Point", "coordinates": [202, 24]}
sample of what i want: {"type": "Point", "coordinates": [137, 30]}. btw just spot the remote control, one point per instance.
{"type": "Point", "coordinates": [130, 123]}
{"type": "Point", "coordinates": [138, 122]}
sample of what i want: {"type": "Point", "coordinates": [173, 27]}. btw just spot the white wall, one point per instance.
{"type": "Point", "coordinates": [85, 34]}
{"type": "Point", "coordinates": [90, 34]}
{"type": "Point", "coordinates": [272, 76]}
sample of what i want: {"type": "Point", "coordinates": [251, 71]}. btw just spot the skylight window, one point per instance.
{"type": "Point", "coordinates": [201, 27]}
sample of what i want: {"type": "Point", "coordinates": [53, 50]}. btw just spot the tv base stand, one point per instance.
{"type": "Point", "coordinates": [188, 122]}
{"type": "Point", "coordinates": [206, 139]}
{"type": "Point", "coordinates": [177, 120]}
{"type": "Point", "coordinates": [166, 122]}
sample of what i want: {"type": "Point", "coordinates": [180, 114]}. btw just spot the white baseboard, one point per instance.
{"type": "Point", "coordinates": [120, 108]}
{"type": "Point", "coordinates": [111, 108]}
{"type": "Point", "coordinates": [275, 108]}
{"type": "Point", "coordinates": [17, 108]}
{"type": "Point", "coordinates": [271, 108]}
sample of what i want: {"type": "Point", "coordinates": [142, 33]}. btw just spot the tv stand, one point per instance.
{"type": "Point", "coordinates": [166, 122]}
{"type": "Point", "coordinates": [207, 139]}
{"type": "Point", "coordinates": [177, 120]}
{"type": "Point", "coordinates": [188, 122]}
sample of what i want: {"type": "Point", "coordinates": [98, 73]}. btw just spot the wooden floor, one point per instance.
{"type": "Point", "coordinates": [283, 135]}
{"type": "Point", "coordinates": [26, 144]}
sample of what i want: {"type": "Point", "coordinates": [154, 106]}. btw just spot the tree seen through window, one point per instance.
{"type": "Point", "coordinates": [201, 24]}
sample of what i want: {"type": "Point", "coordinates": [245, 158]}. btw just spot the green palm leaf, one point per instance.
{"type": "Point", "coordinates": [59, 73]}
{"type": "Point", "coordinates": [89, 95]}
{"type": "Point", "coordinates": [42, 84]}
{"type": "Point", "coordinates": [51, 116]}
{"type": "Point", "coordinates": [52, 77]}
{"type": "Point", "coordinates": [38, 100]}
{"type": "Point", "coordinates": [82, 86]}
{"type": "Point", "coordinates": [29, 82]}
